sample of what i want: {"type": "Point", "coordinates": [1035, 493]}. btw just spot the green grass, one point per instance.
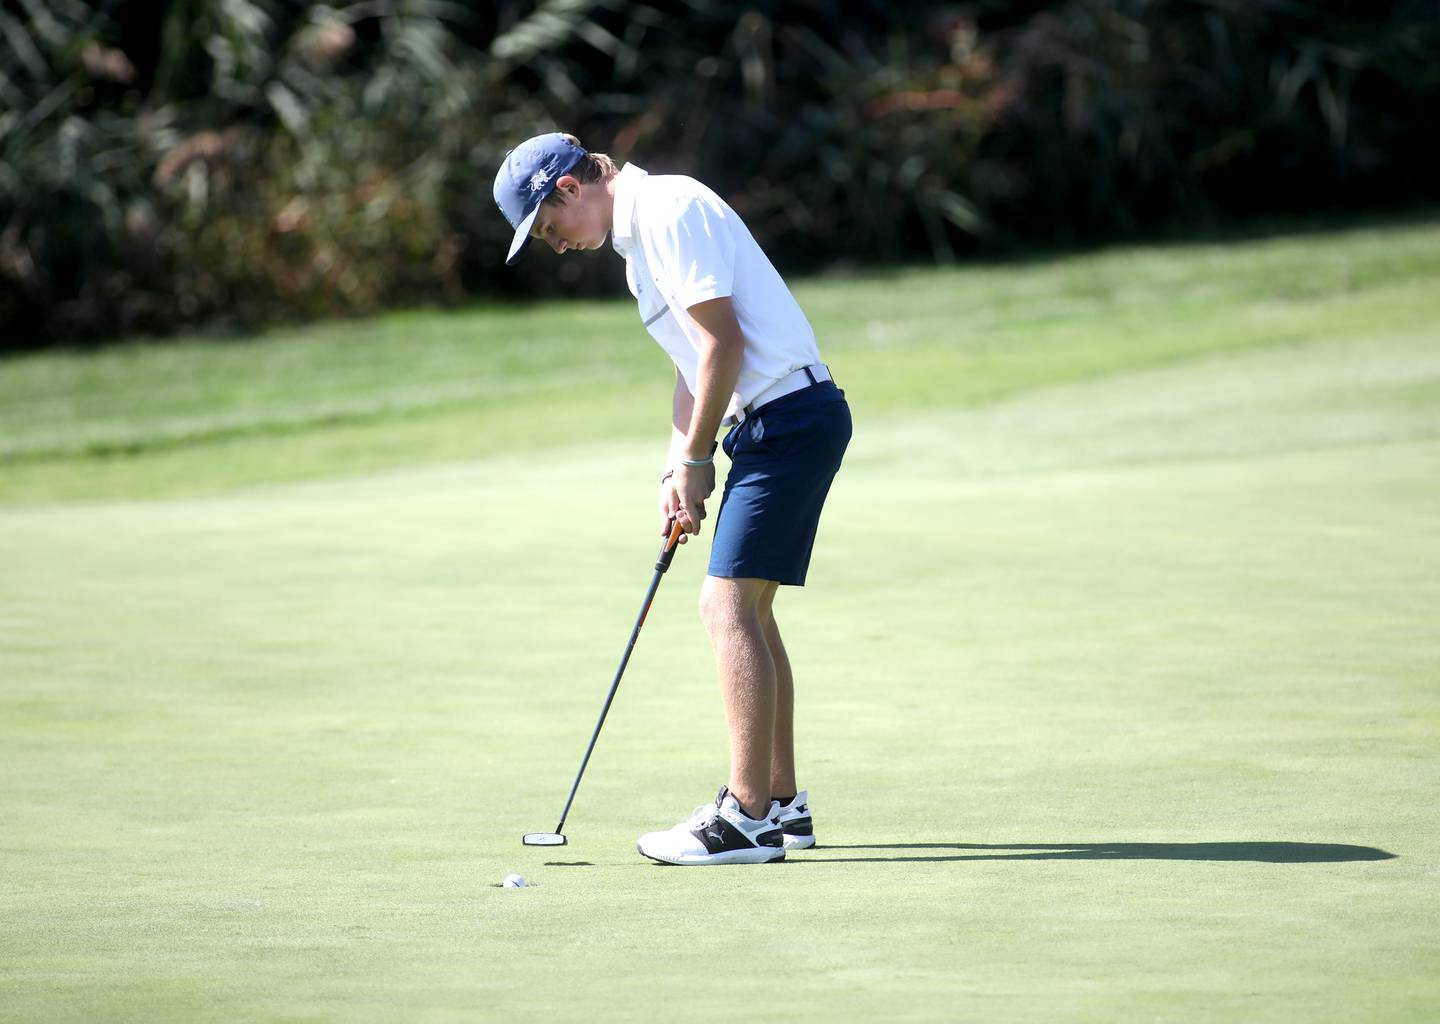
{"type": "Point", "coordinates": [1118, 669]}
{"type": "Point", "coordinates": [197, 417]}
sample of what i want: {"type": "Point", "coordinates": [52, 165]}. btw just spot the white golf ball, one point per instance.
{"type": "Point", "coordinates": [513, 882]}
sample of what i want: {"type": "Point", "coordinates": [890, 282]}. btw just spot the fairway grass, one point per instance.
{"type": "Point", "coordinates": [1119, 673]}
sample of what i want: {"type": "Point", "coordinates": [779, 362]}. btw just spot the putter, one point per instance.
{"type": "Point", "coordinates": [667, 553]}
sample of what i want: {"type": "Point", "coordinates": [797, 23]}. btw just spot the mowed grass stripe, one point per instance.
{"type": "Point", "coordinates": [911, 338]}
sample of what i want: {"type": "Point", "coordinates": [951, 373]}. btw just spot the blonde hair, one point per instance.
{"type": "Point", "coordinates": [592, 167]}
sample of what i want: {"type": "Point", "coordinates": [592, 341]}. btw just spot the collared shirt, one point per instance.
{"type": "Point", "coordinates": [683, 245]}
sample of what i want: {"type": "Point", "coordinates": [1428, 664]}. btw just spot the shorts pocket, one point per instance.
{"type": "Point", "coordinates": [793, 428]}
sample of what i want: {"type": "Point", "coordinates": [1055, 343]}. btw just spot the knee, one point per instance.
{"type": "Point", "coordinates": [717, 611]}
{"type": "Point", "coordinates": [724, 608]}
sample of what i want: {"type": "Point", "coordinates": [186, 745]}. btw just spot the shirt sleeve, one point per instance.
{"type": "Point", "coordinates": [691, 249]}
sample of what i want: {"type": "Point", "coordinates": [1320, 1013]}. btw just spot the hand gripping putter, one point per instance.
{"type": "Point", "coordinates": [667, 553]}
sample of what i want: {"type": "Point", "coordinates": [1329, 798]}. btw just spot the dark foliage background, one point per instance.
{"type": "Point", "coordinates": [233, 162]}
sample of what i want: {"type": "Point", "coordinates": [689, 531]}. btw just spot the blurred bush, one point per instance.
{"type": "Point", "coordinates": [235, 162]}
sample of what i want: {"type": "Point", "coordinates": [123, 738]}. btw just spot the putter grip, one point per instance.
{"type": "Point", "coordinates": [667, 553]}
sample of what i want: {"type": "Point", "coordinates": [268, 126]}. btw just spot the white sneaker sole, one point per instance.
{"type": "Point", "coordinates": [757, 855]}
{"type": "Point", "coordinates": [799, 842]}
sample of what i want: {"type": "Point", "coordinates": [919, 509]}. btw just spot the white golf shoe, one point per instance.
{"type": "Point", "coordinates": [718, 833]}
{"type": "Point", "coordinates": [795, 822]}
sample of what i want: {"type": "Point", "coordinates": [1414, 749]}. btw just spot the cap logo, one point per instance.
{"type": "Point", "coordinates": [538, 180]}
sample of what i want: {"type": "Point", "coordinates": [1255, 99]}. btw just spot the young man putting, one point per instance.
{"type": "Point", "coordinates": [744, 355]}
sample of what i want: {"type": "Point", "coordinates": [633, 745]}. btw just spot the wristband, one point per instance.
{"type": "Point", "coordinates": [698, 463]}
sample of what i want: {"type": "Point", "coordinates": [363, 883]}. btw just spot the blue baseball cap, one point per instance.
{"type": "Point", "coordinates": [526, 176]}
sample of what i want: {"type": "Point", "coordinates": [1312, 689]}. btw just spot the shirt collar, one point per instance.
{"type": "Point", "coordinates": [622, 225]}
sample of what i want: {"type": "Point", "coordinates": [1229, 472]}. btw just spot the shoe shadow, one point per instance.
{"type": "Point", "coordinates": [1262, 853]}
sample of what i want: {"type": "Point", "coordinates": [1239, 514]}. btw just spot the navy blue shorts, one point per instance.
{"type": "Point", "coordinates": [783, 459]}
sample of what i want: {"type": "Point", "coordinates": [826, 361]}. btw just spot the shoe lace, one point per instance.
{"type": "Point", "coordinates": [701, 816]}
{"type": "Point", "coordinates": [705, 813]}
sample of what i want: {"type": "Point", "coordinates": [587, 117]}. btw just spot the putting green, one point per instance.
{"type": "Point", "coordinates": [1118, 700]}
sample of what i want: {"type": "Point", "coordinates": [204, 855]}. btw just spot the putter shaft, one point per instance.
{"type": "Point", "coordinates": [667, 554]}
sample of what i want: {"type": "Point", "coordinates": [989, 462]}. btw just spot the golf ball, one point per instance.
{"type": "Point", "coordinates": [513, 882]}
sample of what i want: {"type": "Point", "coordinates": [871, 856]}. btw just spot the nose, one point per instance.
{"type": "Point", "coordinates": [560, 246]}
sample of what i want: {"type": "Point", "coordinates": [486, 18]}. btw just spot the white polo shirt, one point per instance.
{"type": "Point", "coordinates": [682, 245]}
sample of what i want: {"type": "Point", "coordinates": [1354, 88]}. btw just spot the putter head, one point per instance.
{"type": "Point", "coordinates": [543, 839]}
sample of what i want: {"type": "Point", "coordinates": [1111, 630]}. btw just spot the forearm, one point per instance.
{"type": "Point", "coordinates": [681, 483]}
{"type": "Point", "coordinates": [692, 478]}
{"type": "Point", "coordinates": [719, 367]}
{"type": "Point", "coordinates": [682, 407]}
{"type": "Point", "coordinates": [721, 345]}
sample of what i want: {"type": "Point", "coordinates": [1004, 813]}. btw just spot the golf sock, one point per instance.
{"type": "Point", "coordinates": [785, 799]}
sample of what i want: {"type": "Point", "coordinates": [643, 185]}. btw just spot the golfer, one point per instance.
{"type": "Point", "coordinates": [745, 356]}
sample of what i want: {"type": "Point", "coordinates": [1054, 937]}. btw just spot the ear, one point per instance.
{"type": "Point", "coordinates": [568, 184]}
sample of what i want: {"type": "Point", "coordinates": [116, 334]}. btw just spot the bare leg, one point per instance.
{"type": "Point", "coordinates": [732, 612]}
{"type": "Point", "coordinates": [782, 750]}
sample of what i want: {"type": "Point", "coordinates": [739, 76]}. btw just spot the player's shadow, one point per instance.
{"type": "Point", "coordinates": [1262, 853]}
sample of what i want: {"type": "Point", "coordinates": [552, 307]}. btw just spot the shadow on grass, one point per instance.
{"type": "Point", "coordinates": [1263, 853]}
